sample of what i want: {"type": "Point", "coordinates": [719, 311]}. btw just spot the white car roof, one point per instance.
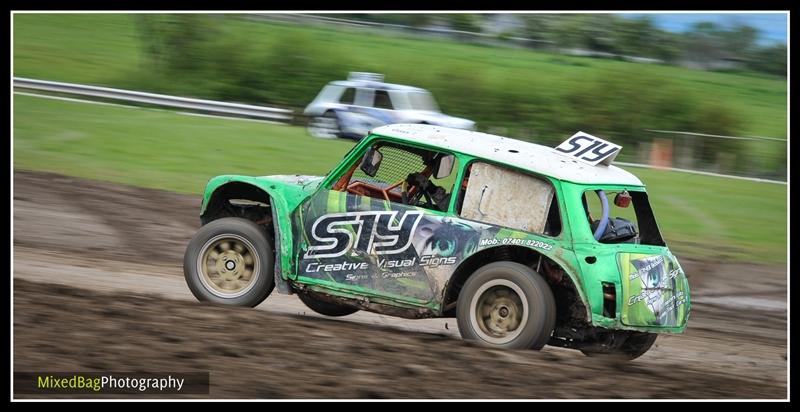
{"type": "Point", "coordinates": [524, 155]}
{"type": "Point", "coordinates": [376, 85]}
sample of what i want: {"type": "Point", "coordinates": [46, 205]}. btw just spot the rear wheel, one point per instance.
{"type": "Point", "coordinates": [506, 305]}
{"type": "Point", "coordinates": [326, 308]}
{"type": "Point", "coordinates": [624, 345]}
{"type": "Point", "coordinates": [230, 261]}
{"type": "Point", "coordinates": [325, 126]}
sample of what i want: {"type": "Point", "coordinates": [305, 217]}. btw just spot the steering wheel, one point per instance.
{"type": "Point", "coordinates": [413, 193]}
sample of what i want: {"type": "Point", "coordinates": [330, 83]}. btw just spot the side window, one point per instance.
{"type": "Point", "coordinates": [630, 217]}
{"type": "Point", "coordinates": [349, 96]}
{"type": "Point", "coordinates": [382, 100]}
{"type": "Point", "coordinates": [402, 174]}
{"type": "Point", "coordinates": [504, 197]}
{"type": "Point", "coordinates": [364, 97]}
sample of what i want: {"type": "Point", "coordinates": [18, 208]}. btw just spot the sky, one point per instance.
{"type": "Point", "coordinates": [772, 27]}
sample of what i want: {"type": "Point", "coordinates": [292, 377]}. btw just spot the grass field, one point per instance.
{"type": "Point", "coordinates": [700, 216]}
{"type": "Point", "coordinates": [104, 49]}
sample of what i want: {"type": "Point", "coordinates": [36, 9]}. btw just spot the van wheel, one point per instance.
{"type": "Point", "coordinates": [325, 126]}
{"type": "Point", "coordinates": [506, 305]}
{"type": "Point", "coordinates": [230, 261]}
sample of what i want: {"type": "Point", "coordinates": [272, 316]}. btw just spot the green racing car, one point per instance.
{"type": "Point", "coordinates": [525, 245]}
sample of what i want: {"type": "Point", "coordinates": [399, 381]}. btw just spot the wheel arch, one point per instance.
{"type": "Point", "coordinates": [218, 204]}
{"type": "Point", "coordinates": [264, 212]}
{"type": "Point", "coordinates": [571, 303]}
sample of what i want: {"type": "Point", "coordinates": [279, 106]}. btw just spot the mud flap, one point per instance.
{"type": "Point", "coordinates": [281, 285]}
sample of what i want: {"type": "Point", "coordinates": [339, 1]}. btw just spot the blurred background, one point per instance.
{"type": "Point", "coordinates": [697, 100]}
{"type": "Point", "coordinates": [636, 79]}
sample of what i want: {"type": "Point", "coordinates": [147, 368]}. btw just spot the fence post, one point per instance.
{"type": "Point", "coordinates": [661, 153]}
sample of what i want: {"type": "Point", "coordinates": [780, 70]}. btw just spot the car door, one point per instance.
{"type": "Point", "coordinates": [363, 115]}
{"type": "Point", "coordinates": [383, 108]}
{"type": "Point", "coordinates": [357, 237]}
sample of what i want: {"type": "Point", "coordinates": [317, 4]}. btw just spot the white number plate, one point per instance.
{"type": "Point", "coordinates": [589, 149]}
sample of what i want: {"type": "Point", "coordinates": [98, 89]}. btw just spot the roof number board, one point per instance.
{"type": "Point", "coordinates": [589, 149]}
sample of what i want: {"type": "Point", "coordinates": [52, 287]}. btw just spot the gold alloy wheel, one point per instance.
{"type": "Point", "coordinates": [228, 265]}
{"type": "Point", "coordinates": [499, 311]}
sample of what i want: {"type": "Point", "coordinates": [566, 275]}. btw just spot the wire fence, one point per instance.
{"type": "Point", "coordinates": [756, 158]}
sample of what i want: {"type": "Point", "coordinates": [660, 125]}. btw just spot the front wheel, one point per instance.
{"type": "Point", "coordinates": [326, 308]}
{"type": "Point", "coordinates": [506, 305]}
{"type": "Point", "coordinates": [230, 261]}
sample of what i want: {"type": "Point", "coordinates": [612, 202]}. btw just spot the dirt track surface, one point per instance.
{"type": "Point", "coordinates": [98, 287]}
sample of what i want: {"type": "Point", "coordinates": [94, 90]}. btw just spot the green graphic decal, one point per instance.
{"type": "Point", "coordinates": [654, 289]}
{"type": "Point", "coordinates": [390, 249]}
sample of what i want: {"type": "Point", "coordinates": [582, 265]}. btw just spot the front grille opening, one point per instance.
{"type": "Point", "coordinates": [609, 300]}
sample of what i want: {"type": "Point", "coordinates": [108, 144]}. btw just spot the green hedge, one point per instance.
{"type": "Point", "coordinates": [617, 104]}
{"type": "Point", "coordinates": [226, 65]}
